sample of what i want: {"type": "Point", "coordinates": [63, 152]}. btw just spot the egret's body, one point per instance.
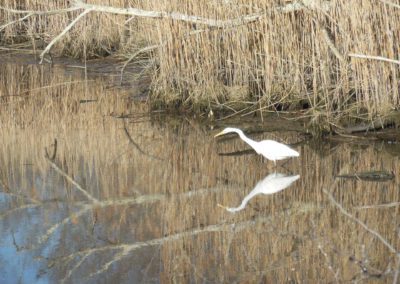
{"type": "Point", "coordinates": [271, 184]}
{"type": "Point", "coordinates": [270, 149]}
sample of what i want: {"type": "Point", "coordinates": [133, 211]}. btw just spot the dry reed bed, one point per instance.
{"type": "Point", "coordinates": [96, 35]}
{"type": "Point", "coordinates": [286, 59]}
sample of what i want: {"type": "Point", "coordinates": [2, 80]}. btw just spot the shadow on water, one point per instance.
{"type": "Point", "coordinates": [136, 199]}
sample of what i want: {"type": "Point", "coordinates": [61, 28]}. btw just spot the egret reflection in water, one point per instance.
{"type": "Point", "coordinates": [272, 183]}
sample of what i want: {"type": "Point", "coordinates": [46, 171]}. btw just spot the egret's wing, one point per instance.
{"type": "Point", "coordinates": [275, 149]}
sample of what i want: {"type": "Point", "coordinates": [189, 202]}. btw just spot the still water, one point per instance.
{"type": "Point", "coordinates": [96, 189]}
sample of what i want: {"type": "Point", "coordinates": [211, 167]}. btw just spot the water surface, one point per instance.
{"type": "Point", "coordinates": [95, 188]}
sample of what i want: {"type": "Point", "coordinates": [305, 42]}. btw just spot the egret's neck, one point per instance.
{"type": "Point", "coordinates": [246, 139]}
{"type": "Point", "coordinates": [244, 201]}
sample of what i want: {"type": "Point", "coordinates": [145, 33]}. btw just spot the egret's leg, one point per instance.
{"type": "Point", "coordinates": [285, 162]}
{"type": "Point", "coordinates": [286, 169]}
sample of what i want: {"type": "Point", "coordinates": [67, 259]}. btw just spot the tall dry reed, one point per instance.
{"type": "Point", "coordinates": [286, 60]}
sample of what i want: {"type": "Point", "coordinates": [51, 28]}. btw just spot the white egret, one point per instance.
{"type": "Point", "coordinates": [270, 184]}
{"type": "Point", "coordinates": [270, 149]}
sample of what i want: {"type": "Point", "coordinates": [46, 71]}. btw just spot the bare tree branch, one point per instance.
{"type": "Point", "coordinates": [16, 21]}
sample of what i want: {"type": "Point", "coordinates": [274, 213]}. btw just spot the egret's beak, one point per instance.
{"type": "Point", "coordinates": [219, 134]}
{"type": "Point", "coordinates": [222, 206]}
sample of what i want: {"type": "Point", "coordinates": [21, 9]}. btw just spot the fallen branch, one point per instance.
{"type": "Point", "coordinates": [372, 57]}
{"type": "Point", "coordinates": [169, 15]}
{"type": "Point", "coordinates": [60, 35]}
{"type": "Point", "coordinates": [246, 19]}
{"type": "Point", "coordinates": [135, 12]}
{"type": "Point", "coordinates": [16, 21]}
{"type": "Point", "coordinates": [33, 13]}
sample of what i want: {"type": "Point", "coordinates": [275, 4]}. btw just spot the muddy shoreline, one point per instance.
{"type": "Point", "coordinates": [138, 88]}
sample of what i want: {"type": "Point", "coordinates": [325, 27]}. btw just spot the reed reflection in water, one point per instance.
{"type": "Point", "coordinates": [130, 196]}
{"type": "Point", "coordinates": [271, 184]}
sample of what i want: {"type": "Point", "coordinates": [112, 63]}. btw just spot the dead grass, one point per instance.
{"type": "Point", "coordinates": [290, 60]}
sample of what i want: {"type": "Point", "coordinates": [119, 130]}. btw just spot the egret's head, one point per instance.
{"type": "Point", "coordinates": [227, 130]}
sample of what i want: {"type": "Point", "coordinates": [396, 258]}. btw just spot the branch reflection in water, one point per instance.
{"type": "Point", "coordinates": [271, 184]}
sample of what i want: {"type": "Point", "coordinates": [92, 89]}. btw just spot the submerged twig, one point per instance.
{"type": "Point", "coordinates": [362, 224]}
{"type": "Point", "coordinates": [71, 180]}
{"type": "Point", "coordinates": [136, 145]}
{"type": "Point", "coordinates": [69, 273]}
{"type": "Point", "coordinates": [238, 153]}
{"type": "Point", "coordinates": [369, 176]}
{"type": "Point", "coordinates": [386, 205]}
{"type": "Point", "coordinates": [8, 191]}
{"type": "Point", "coordinates": [378, 236]}
{"type": "Point", "coordinates": [397, 272]}
{"type": "Point", "coordinates": [53, 156]}
{"type": "Point", "coordinates": [20, 208]}
{"type": "Point", "coordinates": [124, 250]}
